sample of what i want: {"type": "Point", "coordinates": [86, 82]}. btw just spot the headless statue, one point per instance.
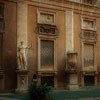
{"type": "Point", "coordinates": [21, 55]}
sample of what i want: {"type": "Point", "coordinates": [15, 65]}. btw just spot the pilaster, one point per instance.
{"type": "Point", "coordinates": [69, 31]}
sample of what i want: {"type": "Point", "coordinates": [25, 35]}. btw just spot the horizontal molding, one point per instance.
{"type": "Point", "coordinates": [76, 7]}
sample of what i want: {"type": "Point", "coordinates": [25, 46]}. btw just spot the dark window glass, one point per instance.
{"type": "Point", "coordinates": [89, 55]}
{"type": "Point", "coordinates": [47, 54]}
{"type": "Point", "coordinates": [89, 80]}
{"type": "Point", "coordinates": [48, 80]}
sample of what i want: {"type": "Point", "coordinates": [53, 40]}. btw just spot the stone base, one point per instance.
{"type": "Point", "coordinates": [73, 87]}
{"type": "Point", "coordinates": [73, 81]}
{"type": "Point", "coordinates": [22, 81]}
{"type": "Point", "coordinates": [18, 90]}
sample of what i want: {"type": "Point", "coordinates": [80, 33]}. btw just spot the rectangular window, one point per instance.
{"type": "Point", "coordinates": [1, 10]}
{"type": "Point", "coordinates": [88, 55]}
{"type": "Point", "coordinates": [47, 54]}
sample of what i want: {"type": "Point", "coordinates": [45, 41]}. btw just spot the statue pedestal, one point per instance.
{"type": "Point", "coordinates": [22, 80]}
{"type": "Point", "coordinates": [73, 80]}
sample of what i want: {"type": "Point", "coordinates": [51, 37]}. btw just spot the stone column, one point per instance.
{"type": "Point", "coordinates": [73, 80]}
{"type": "Point", "coordinates": [73, 77]}
{"type": "Point", "coordinates": [69, 31]}
{"type": "Point", "coordinates": [21, 23]}
{"type": "Point", "coordinates": [22, 74]}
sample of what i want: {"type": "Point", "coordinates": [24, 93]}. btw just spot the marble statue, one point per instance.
{"type": "Point", "coordinates": [22, 56]}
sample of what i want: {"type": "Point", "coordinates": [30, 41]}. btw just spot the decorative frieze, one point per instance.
{"type": "Point", "coordinates": [46, 29]}
{"type": "Point", "coordinates": [89, 35]}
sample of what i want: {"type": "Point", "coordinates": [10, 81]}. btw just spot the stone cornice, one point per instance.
{"type": "Point", "coordinates": [76, 7]}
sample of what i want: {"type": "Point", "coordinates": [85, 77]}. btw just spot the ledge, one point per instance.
{"type": "Point", "coordinates": [89, 72]}
{"type": "Point", "coordinates": [71, 71]}
{"type": "Point", "coordinates": [22, 71]}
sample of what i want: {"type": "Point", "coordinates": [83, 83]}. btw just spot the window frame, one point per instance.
{"type": "Point", "coordinates": [84, 68]}
{"type": "Point", "coordinates": [40, 38]}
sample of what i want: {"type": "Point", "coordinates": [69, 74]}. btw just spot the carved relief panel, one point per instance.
{"type": "Point", "coordinates": [89, 36]}
{"type": "Point", "coordinates": [46, 24]}
{"type": "Point", "coordinates": [45, 17]}
{"type": "Point", "coordinates": [88, 23]}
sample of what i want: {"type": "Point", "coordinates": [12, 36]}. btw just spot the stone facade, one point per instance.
{"type": "Point", "coordinates": [50, 29]}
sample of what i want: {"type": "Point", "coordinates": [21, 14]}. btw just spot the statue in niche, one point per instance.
{"type": "Point", "coordinates": [21, 56]}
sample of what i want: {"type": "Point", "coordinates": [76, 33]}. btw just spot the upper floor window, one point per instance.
{"type": "Point", "coordinates": [89, 24]}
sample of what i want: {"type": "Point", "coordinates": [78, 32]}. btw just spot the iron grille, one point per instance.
{"type": "Point", "coordinates": [88, 54]}
{"type": "Point", "coordinates": [47, 53]}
